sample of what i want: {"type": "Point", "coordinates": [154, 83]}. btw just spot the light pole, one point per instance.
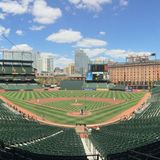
{"type": "Point", "coordinates": [154, 73]}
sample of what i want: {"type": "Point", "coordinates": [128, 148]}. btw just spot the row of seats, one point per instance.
{"type": "Point", "coordinates": [20, 86]}
{"type": "Point", "coordinates": [139, 131]}
{"type": "Point", "coordinates": [156, 90]}
{"type": "Point", "coordinates": [20, 133]}
{"type": "Point", "coordinates": [58, 145]}
{"type": "Point", "coordinates": [16, 70]}
{"type": "Point", "coordinates": [125, 135]}
{"type": "Point", "coordinates": [152, 111]}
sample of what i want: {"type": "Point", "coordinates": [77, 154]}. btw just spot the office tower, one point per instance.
{"type": "Point", "coordinates": [81, 62]}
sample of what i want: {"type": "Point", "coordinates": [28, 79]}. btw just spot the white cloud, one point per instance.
{"type": "Point", "coordinates": [123, 2]}
{"type": "Point", "coordinates": [36, 28]}
{"type": "Point", "coordinates": [41, 12]}
{"type": "Point", "coordinates": [75, 1]}
{"type": "Point", "coordinates": [65, 36]}
{"type": "Point", "coordinates": [63, 61]}
{"type": "Point", "coordinates": [45, 14]}
{"type": "Point", "coordinates": [4, 31]}
{"type": "Point", "coordinates": [67, 8]}
{"type": "Point", "coordinates": [23, 47]}
{"type": "Point", "coordinates": [2, 15]}
{"type": "Point", "coordinates": [19, 32]}
{"type": "Point", "coordinates": [90, 42]}
{"type": "Point", "coordinates": [94, 52]}
{"type": "Point", "coordinates": [102, 33]}
{"type": "Point", "coordinates": [114, 53]}
{"type": "Point", "coordinates": [15, 7]}
{"type": "Point", "coordinates": [47, 54]}
{"type": "Point", "coordinates": [118, 53]}
{"type": "Point", "coordinates": [60, 60]}
{"type": "Point", "coordinates": [93, 5]}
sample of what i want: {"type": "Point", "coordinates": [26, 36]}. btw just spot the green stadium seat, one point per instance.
{"type": "Point", "coordinates": [17, 131]}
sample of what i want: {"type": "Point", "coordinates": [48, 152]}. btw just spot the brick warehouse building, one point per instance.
{"type": "Point", "coordinates": [140, 72]}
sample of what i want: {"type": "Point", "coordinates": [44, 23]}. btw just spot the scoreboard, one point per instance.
{"type": "Point", "coordinates": [97, 73]}
{"type": "Point", "coordinates": [99, 68]}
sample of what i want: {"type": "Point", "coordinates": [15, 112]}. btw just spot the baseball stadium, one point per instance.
{"type": "Point", "coordinates": [99, 118]}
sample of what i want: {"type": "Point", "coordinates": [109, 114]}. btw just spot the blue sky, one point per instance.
{"type": "Point", "coordinates": [109, 29]}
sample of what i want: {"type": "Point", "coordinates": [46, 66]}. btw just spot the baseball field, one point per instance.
{"type": "Point", "coordinates": [71, 107]}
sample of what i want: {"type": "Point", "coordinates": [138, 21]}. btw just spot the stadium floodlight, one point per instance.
{"type": "Point", "coordinates": [153, 55]}
{"type": "Point", "coordinates": [155, 68]}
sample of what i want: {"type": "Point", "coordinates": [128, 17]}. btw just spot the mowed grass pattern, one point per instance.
{"type": "Point", "coordinates": [100, 111]}
{"type": "Point", "coordinates": [86, 105]}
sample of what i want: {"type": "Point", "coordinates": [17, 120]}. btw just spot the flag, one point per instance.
{"type": "Point", "coordinates": [153, 54]}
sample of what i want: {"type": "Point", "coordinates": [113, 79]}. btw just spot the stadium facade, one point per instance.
{"type": "Point", "coordinates": [43, 62]}
{"type": "Point", "coordinates": [16, 71]}
{"type": "Point", "coordinates": [22, 55]}
{"type": "Point", "coordinates": [136, 71]}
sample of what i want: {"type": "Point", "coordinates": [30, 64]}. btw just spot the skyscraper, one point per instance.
{"type": "Point", "coordinates": [81, 62]}
{"type": "Point", "coordinates": [46, 62]}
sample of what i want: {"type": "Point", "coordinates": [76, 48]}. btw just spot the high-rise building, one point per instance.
{"type": "Point", "coordinates": [70, 69]}
{"type": "Point", "coordinates": [46, 63]}
{"type": "Point", "coordinates": [81, 62]}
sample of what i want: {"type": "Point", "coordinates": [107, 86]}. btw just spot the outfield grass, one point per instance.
{"type": "Point", "coordinates": [101, 111]}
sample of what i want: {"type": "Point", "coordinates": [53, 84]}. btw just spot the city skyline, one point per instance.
{"type": "Point", "coordinates": [110, 29]}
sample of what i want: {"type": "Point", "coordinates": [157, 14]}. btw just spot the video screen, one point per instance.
{"type": "Point", "coordinates": [99, 68]}
{"type": "Point", "coordinates": [89, 76]}
{"type": "Point", "coordinates": [98, 76]}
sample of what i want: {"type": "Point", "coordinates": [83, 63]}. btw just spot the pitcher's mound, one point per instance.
{"type": "Point", "coordinates": [78, 114]}
{"type": "Point", "coordinates": [77, 104]}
